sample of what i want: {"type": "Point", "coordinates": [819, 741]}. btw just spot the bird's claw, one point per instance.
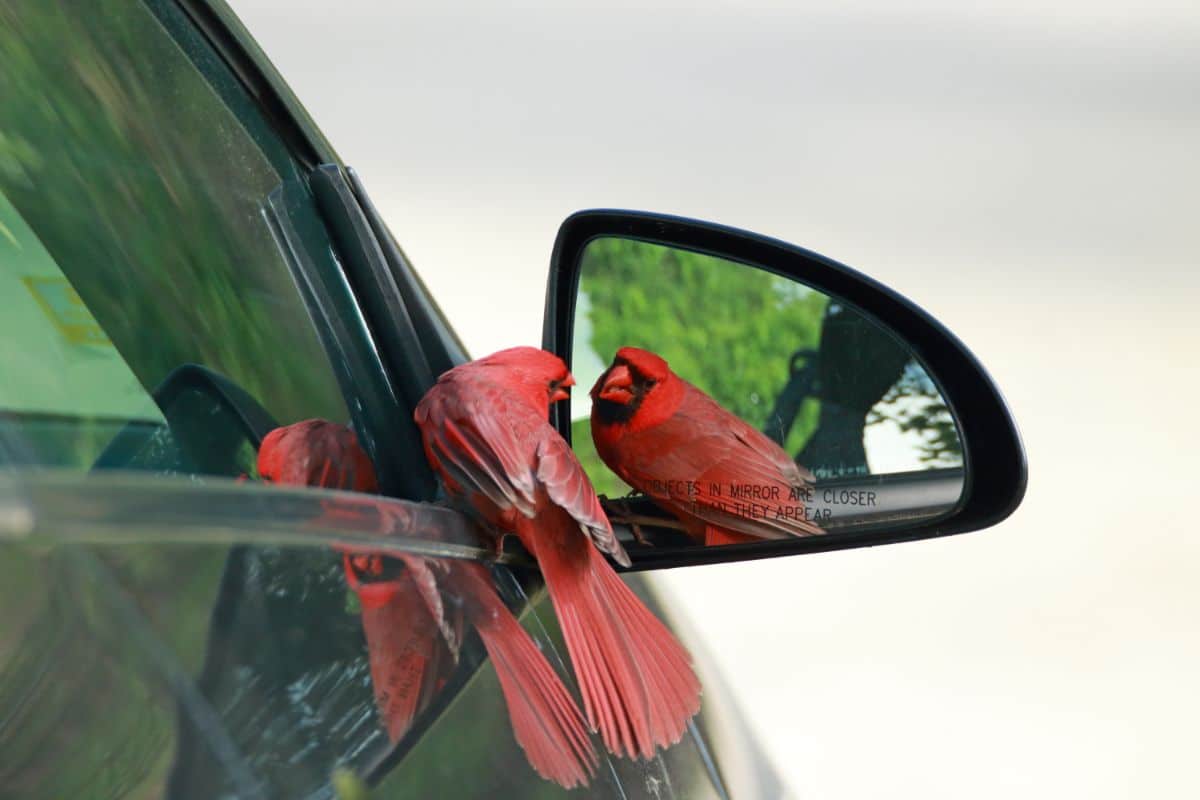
{"type": "Point", "coordinates": [497, 537]}
{"type": "Point", "coordinates": [625, 515]}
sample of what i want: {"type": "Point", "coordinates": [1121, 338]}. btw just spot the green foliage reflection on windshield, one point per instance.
{"type": "Point", "coordinates": [145, 180]}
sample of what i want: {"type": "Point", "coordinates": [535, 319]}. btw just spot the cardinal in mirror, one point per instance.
{"type": "Point", "coordinates": [723, 480]}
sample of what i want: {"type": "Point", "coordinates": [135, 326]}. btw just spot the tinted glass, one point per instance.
{"type": "Point", "coordinates": [119, 679]}
{"type": "Point", "coordinates": [145, 317]}
{"type": "Point", "coordinates": [132, 236]}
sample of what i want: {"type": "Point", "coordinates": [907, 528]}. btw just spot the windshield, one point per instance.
{"type": "Point", "coordinates": [133, 240]}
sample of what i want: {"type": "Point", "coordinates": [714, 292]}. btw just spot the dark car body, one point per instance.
{"type": "Point", "coordinates": [167, 631]}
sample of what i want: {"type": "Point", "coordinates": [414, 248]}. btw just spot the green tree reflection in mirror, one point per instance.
{"type": "Point", "coordinates": [841, 394]}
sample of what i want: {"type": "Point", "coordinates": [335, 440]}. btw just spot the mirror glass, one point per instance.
{"type": "Point", "coordinates": [828, 388]}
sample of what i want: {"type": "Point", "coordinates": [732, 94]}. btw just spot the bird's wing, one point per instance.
{"type": "Point", "coordinates": [487, 441]}
{"type": "Point", "coordinates": [343, 464]}
{"type": "Point", "coordinates": [711, 465]}
{"type": "Point", "coordinates": [568, 486]}
{"type": "Point", "coordinates": [316, 453]}
{"type": "Point", "coordinates": [424, 574]}
{"type": "Point", "coordinates": [483, 441]}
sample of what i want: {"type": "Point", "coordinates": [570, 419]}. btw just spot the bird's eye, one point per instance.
{"type": "Point", "coordinates": [651, 381]}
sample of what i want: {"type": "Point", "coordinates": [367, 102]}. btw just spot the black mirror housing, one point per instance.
{"type": "Point", "coordinates": [994, 472]}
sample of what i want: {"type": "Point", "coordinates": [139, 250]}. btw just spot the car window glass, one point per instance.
{"type": "Point", "coordinates": [67, 365]}
{"type": "Point", "coordinates": [474, 731]}
{"type": "Point", "coordinates": [119, 680]}
{"type": "Point", "coordinates": [132, 238]}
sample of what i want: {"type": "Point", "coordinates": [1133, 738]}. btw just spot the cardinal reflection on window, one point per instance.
{"type": "Point", "coordinates": [414, 611]}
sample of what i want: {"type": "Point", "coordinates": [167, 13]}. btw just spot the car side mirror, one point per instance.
{"type": "Point", "coordinates": [821, 411]}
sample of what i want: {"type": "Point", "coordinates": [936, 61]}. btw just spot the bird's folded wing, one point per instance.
{"type": "Point", "coordinates": [494, 444]}
{"type": "Point", "coordinates": [568, 486]}
{"type": "Point", "coordinates": [724, 477]}
{"type": "Point", "coordinates": [465, 437]}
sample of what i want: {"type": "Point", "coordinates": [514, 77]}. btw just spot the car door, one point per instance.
{"type": "Point", "coordinates": [185, 265]}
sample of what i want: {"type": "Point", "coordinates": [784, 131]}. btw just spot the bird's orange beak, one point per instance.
{"type": "Point", "coordinates": [616, 385]}
{"type": "Point", "coordinates": [562, 392]}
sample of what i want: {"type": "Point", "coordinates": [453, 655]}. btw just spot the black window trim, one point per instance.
{"type": "Point", "coordinates": [220, 26]}
{"type": "Point", "coordinates": [408, 336]}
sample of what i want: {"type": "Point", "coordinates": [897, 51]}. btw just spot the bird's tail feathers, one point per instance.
{"type": "Point", "coordinates": [639, 689]}
{"type": "Point", "coordinates": [545, 719]}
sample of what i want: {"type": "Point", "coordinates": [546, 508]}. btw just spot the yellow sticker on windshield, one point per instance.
{"type": "Point", "coordinates": [55, 358]}
{"type": "Point", "coordinates": [65, 309]}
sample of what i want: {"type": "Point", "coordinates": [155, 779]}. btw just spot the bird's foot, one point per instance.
{"type": "Point", "coordinates": [621, 513]}
{"type": "Point", "coordinates": [497, 537]}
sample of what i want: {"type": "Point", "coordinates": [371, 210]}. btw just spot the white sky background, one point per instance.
{"type": "Point", "coordinates": [1028, 173]}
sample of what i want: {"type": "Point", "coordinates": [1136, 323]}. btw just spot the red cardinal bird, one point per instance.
{"type": "Point", "coordinates": [411, 647]}
{"type": "Point", "coordinates": [726, 481]}
{"type": "Point", "coordinates": [485, 431]}
{"type": "Point", "coordinates": [316, 453]}
{"type": "Point", "coordinates": [545, 719]}
{"type": "Point", "coordinates": [412, 644]}
{"type": "Point", "coordinates": [409, 655]}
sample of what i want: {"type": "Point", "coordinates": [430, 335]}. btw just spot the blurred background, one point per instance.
{"type": "Point", "coordinates": [1026, 172]}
